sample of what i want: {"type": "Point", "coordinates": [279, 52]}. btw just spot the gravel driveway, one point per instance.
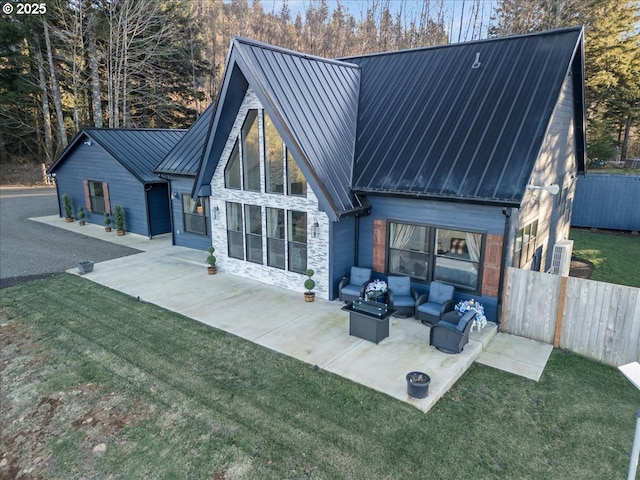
{"type": "Point", "coordinates": [30, 250]}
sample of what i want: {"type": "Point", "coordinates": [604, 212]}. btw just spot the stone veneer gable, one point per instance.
{"type": "Point", "coordinates": [317, 247]}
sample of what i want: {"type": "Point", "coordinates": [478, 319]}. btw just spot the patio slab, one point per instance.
{"type": "Point", "coordinates": [317, 333]}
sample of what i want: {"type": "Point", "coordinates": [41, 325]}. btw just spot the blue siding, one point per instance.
{"type": "Point", "coordinates": [158, 205]}
{"type": "Point", "coordinates": [183, 185]}
{"type": "Point", "coordinates": [92, 162]}
{"type": "Point", "coordinates": [607, 201]}
{"type": "Point", "coordinates": [452, 215]}
{"type": "Point", "coordinates": [342, 252]}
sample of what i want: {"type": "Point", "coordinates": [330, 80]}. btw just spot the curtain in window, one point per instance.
{"type": "Point", "coordinates": [474, 243]}
{"type": "Point", "coordinates": [401, 234]}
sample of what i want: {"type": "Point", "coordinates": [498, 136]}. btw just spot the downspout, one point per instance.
{"type": "Point", "coordinates": [356, 239]}
{"type": "Point", "coordinates": [507, 226]}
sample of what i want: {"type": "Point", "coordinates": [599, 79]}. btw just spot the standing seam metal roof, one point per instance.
{"type": "Point", "coordinates": [138, 150]}
{"type": "Point", "coordinates": [431, 125]}
{"type": "Point", "coordinates": [185, 157]}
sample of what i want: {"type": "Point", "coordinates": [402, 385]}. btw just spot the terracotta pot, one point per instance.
{"type": "Point", "coordinates": [120, 233]}
{"type": "Point", "coordinates": [212, 270]}
{"type": "Point", "coordinates": [68, 219]}
{"type": "Point", "coordinates": [309, 296]}
{"type": "Point", "coordinates": [107, 229]}
{"type": "Point", "coordinates": [82, 223]}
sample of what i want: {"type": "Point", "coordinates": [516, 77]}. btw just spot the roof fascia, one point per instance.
{"type": "Point", "coordinates": [440, 198]}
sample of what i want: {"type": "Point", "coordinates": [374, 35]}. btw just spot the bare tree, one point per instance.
{"type": "Point", "coordinates": [55, 86]}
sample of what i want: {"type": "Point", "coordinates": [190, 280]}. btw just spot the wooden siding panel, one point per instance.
{"type": "Point", "coordinates": [107, 200]}
{"type": "Point", "coordinates": [379, 246]}
{"type": "Point", "coordinates": [95, 163]}
{"type": "Point", "coordinates": [492, 263]}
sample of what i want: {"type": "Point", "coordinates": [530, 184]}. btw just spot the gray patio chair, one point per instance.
{"type": "Point", "coordinates": [450, 338]}
{"type": "Point", "coordinates": [402, 297]}
{"type": "Point", "coordinates": [352, 287]}
{"type": "Point", "coordinates": [431, 306]}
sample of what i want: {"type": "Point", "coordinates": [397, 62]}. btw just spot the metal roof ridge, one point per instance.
{"type": "Point", "coordinates": [134, 129]}
{"type": "Point", "coordinates": [576, 28]}
{"type": "Point", "coordinates": [287, 51]}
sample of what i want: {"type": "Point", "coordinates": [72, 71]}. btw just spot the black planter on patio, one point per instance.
{"type": "Point", "coordinates": [418, 384]}
{"type": "Point", "coordinates": [85, 266]}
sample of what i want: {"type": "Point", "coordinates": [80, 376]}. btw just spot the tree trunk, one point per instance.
{"type": "Point", "coordinates": [95, 76]}
{"type": "Point", "coordinates": [48, 137]}
{"type": "Point", "coordinates": [57, 99]}
{"type": "Point", "coordinates": [625, 138]}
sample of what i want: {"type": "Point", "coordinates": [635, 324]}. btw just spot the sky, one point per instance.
{"type": "Point", "coordinates": [453, 10]}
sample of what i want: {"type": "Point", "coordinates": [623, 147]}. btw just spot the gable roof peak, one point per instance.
{"type": "Point", "coordinates": [238, 41]}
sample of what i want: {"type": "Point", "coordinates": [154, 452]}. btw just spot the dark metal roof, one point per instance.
{"type": "Point", "coordinates": [431, 124]}
{"type": "Point", "coordinates": [138, 150]}
{"type": "Point", "coordinates": [185, 157]}
{"type": "Point", "coordinates": [313, 104]}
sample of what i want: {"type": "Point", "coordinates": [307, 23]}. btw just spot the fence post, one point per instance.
{"type": "Point", "coordinates": [560, 312]}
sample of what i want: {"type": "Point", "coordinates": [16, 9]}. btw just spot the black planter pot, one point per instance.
{"type": "Point", "coordinates": [418, 384]}
{"type": "Point", "coordinates": [85, 266]}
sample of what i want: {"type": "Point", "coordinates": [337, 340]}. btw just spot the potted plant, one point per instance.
{"type": "Point", "coordinates": [118, 217]}
{"type": "Point", "coordinates": [418, 384]}
{"type": "Point", "coordinates": [107, 222]}
{"type": "Point", "coordinates": [68, 209]}
{"type": "Point", "coordinates": [309, 284]}
{"type": "Point", "coordinates": [211, 260]}
{"type": "Point", "coordinates": [81, 216]}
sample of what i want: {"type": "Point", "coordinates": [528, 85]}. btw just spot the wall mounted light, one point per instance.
{"type": "Point", "coordinates": [174, 195]}
{"type": "Point", "coordinates": [88, 143]}
{"type": "Point", "coordinates": [553, 189]}
{"type": "Point", "coordinates": [315, 228]}
{"type": "Point", "coordinates": [216, 212]}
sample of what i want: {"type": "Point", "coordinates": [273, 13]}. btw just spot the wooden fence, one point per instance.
{"type": "Point", "coordinates": [595, 319]}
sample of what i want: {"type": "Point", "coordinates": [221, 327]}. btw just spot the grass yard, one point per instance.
{"type": "Point", "coordinates": [616, 258]}
{"type": "Point", "coordinates": [86, 366]}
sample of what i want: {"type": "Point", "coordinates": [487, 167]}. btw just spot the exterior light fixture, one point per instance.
{"type": "Point", "coordinates": [315, 229]}
{"type": "Point", "coordinates": [216, 212]}
{"type": "Point", "coordinates": [174, 195]}
{"type": "Point", "coordinates": [553, 189]}
{"type": "Point", "coordinates": [632, 372]}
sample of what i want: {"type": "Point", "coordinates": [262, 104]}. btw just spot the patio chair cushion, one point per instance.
{"type": "Point", "coordinates": [403, 301]}
{"type": "Point", "coordinates": [400, 286]}
{"type": "Point", "coordinates": [440, 292]}
{"type": "Point", "coordinates": [430, 308]}
{"type": "Point", "coordinates": [351, 289]}
{"type": "Point", "coordinates": [359, 276]}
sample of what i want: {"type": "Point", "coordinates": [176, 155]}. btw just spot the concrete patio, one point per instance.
{"type": "Point", "coordinates": [175, 278]}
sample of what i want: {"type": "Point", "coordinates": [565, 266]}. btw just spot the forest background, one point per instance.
{"type": "Point", "coordinates": [69, 64]}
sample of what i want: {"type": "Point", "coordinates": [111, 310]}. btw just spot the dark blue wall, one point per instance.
{"type": "Point", "coordinates": [92, 162]}
{"type": "Point", "coordinates": [341, 253]}
{"type": "Point", "coordinates": [183, 185]}
{"type": "Point", "coordinates": [452, 215]}
{"type": "Point", "coordinates": [607, 201]}
{"type": "Point", "coordinates": [158, 205]}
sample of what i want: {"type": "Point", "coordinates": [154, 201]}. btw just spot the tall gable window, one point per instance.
{"type": "Point", "coordinates": [296, 184]}
{"type": "Point", "coordinates": [235, 243]}
{"type": "Point", "coordinates": [275, 237]}
{"type": "Point", "coordinates": [232, 170]}
{"type": "Point", "coordinates": [525, 245]}
{"type": "Point", "coordinates": [274, 158]}
{"type": "Point", "coordinates": [251, 152]}
{"type": "Point", "coordinates": [297, 232]}
{"type": "Point", "coordinates": [253, 232]}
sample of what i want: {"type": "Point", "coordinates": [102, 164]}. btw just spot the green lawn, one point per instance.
{"type": "Point", "coordinates": [172, 398]}
{"type": "Point", "coordinates": [616, 258]}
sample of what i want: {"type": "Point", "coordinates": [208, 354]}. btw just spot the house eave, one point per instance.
{"type": "Point", "coordinates": [492, 202]}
